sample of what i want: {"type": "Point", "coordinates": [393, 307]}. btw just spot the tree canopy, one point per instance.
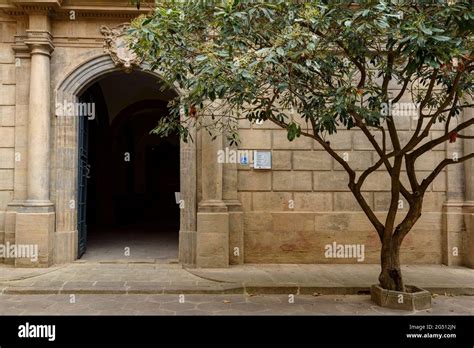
{"type": "Point", "coordinates": [315, 59]}
{"type": "Point", "coordinates": [313, 67]}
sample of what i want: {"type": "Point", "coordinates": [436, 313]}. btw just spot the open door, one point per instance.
{"type": "Point", "coordinates": [126, 177]}
{"type": "Point", "coordinates": [83, 175]}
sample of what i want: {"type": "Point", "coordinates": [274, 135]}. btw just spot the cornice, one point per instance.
{"type": "Point", "coordinates": [58, 9]}
{"type": "Point", "coordinates": [114, 13]}
{"type": "Point", "coordinates": [36, 6]}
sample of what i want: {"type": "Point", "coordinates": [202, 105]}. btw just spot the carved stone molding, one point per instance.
{"type": "Point", "coordinates": [37, 6]}
{"type": "Point", "coordinates": [39, 41]}
{"type": "Point", "coordinates": [20, 48]}
{"type": "Point", "coordinates": [116, 46]}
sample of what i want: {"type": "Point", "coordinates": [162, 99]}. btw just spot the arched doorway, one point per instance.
{"type": "Point", "coordinates": [128, 177]}
{"type": "Point", "coordinates": [128, 114]}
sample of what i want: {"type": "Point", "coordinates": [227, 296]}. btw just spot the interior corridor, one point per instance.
{"type": "Point", "coordinates": [142, 240]}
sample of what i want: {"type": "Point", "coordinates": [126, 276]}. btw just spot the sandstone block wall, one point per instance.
{"type": "Point", "coordinates": [303, 204]}
{"type": "Point", "coordinates": [7, 117]}
{"type": "Point", "coordinates": [290, 213]}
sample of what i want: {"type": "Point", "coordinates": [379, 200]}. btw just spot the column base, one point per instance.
{"type": "Point", "coordinates": [452, 248]}
{"type": "Point", "coordinates": [34, 231]}
{"type": "Point", "coordinates": [31, 227]}
{"type": "Point", "coordinates": [9, 237]}
{"type": "Point", "coordinates": [37, 203]}
{"type": "Point", "coordinates": [469, 240]}
{"type": "Point", "coordinates": [212, 206]}
{"type": "Point", "coordinates": [212, 242]}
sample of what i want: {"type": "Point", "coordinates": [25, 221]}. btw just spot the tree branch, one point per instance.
{"type": "Point", "coordinates": [429, 179]}
{"type": "Point", "coordinates": [402, 91]}
{"type": "Point", "coordinates": [431, 144]}
{"type": "Point", "coordinates": [386, 79]}
{"type": "Point", "coordinates": [414, 140]}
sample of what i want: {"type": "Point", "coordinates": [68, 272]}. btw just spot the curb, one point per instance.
{"type": "Point", "coordinates": [251, 289]}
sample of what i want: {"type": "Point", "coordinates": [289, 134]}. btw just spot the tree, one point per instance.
{"type": "Point", "coordinates": [313, 67]}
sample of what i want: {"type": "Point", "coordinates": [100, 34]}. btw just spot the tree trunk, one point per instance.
{"type": "Point", "coordinates": [391, 275]}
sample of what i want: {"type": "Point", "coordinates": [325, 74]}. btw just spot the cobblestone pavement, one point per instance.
{"type": "Point", "coordinates": [217, 305]}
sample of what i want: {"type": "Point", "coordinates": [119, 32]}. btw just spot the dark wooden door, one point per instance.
{"type": "Point", "coordinates": [83, 175]}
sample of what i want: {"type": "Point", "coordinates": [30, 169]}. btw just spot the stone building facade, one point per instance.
{"type": "Point", "coordinates": [53, 50]}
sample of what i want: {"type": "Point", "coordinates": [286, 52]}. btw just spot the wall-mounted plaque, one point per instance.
{"type": "Point", "coordinates": [262, 160]}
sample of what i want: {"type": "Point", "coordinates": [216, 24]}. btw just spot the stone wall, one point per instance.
{"type": "Point", "coordinates": [289, 214]}
{"type": "Point", "coordinates": [303, 204]}
{"type": "Point", "coordinates": [7, 118]}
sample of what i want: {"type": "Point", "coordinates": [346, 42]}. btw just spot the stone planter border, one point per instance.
{"type": "Point", "coordinates": [415, 300]}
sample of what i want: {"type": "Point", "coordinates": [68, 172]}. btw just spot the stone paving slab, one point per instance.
{"type": "Point", "coordinates": [160, 278]}
{"type": "Point", "coordinates": [338, 279]}
{"type": "Point", "coordinates": [229, 304]}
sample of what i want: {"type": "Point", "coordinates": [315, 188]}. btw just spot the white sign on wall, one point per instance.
{"type": "Point", "coordinates": [262, 160]}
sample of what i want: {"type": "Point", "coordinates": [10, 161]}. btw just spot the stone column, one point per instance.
{"type": "Point", "coordinates": [38, 178]}
{"type": "Point", "coordinates": [35, 221]}
{"type": "Point", "coordinates": [469, 191]}
{"type": "Point", "coordinates": [212, 249]}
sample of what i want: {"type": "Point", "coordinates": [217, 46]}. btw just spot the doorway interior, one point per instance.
{"type": "Point", "coordinates": [127, 177]}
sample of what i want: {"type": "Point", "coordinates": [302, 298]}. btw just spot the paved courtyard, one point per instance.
{"type": "Point", "coordinates": [217, 305]}
{"type": "Point", "coordinates": [155, 277]}
{"type": "Point", "coordinates": [161, 288]}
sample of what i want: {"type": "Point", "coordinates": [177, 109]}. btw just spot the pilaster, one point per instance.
{"type": "Point", "coordinates": [212, 249]}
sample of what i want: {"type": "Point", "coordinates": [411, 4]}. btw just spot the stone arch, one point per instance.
{"type": "Point", "coordinates": [64, 166]}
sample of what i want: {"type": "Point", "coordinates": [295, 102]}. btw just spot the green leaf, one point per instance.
{"type": "Point", "coordinates": [147, 21]}
{"type": "Point", "coordinates": [222, 53]}
{"type": "Point", "coordinates": [426, 30]}
{"type": "Point", "coordinates": [441, 38]}
{"type": "Point", "coordinates": [246, 74]}
{"type": "Point", "coordinates": [282, 86]}
{"type": "Point", "coordinates": [201, 58]}
{"type": "Point", "coordinates": [293, 131]}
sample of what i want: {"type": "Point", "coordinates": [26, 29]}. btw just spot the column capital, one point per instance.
{"type": "Point", "coordinates": [39, 42]}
